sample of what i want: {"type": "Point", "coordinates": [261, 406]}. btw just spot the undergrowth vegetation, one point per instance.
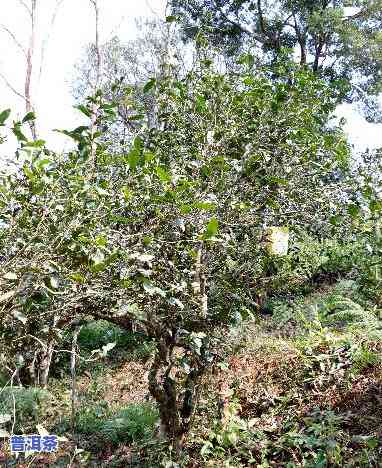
{"type": "Point", "coordinates": [296, 384]}
{"type": "Point", "coordinates": [301, 388]}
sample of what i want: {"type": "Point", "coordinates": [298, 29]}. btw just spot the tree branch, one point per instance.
{"type": "Point", "coordinates": [301, 41]}
{"type": "Point", "coordinates": [94, 111]}
{"type": "Point", "coordinates": [261, 17]}
{"type": "Point", "coordinates": [318, 50]}
{"type": "Point", "coordinates": [26, 7]}
{"type": "Point", "coordinates": [14, 39]}
{"type": "Point", "coordinates": [238, 25]}
{"type": "Point", "coordinates": [46, 40]}
{"type": "Point", "coordinates": [360, 14]}
{"type": "Point", "coordinates": [124, 322]}
{"type": "Point", "coordinates": [29, 69]}
{"type": "Point", "coordinates": [275, 36]}
{"type": "Point", "coordinates": [14, 90]}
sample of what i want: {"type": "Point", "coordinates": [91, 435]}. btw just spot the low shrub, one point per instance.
{"type": "Point", "coordinates": [130, 424]}
{"type": "Point", "coordinates": [135, 422]}
{"type": "Point", "coordinates": [99, 333]}
{"type": "Point", "coordinates": [30, 406]}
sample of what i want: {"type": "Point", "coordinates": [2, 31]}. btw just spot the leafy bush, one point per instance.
{"type": "Point", "coordinates": [310, 257]}
{"type": "Point", "coordinates": [99, 333]}
{"type": "Point", "coordinates": [135, 422]}
{"type": "Point", "coordinates": [30, 405]}
{"type": "Point", "coordinates": [89, 419]}
{"type": "Point", "coordinates": [363, 358]}
{"type": "Point", "coordinates": [145, 236]}
{"type": "Point", "coordinates": [341, 255]}
{"type": "Point", "coordinates": [336, 309]}
{"type": "Point", "coordinates": [317, 441]}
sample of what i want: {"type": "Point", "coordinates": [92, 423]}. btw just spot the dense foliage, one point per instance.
{"type": "Point", "coordinates": [168, 238]}
{"type": "Point", "coordinates": [339, 40]}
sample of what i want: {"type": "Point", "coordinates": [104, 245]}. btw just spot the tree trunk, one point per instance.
{"type": "Point", "coordinates": [317, 56]}
{"type": "Point", "coordinates": [73, 361]}
{"type": "Point", "coordinates": [176, 399]}
{"type": "Point", "coordinates": [29, 69]}
{"type": "Point", "coordinates": [199, 284]}
{"type": "Point", "coordinates": [93, 123]}
{"type": "Point", "coordinates": [302, 54]}
{"type": "Point", "coordinates": [45, 363]}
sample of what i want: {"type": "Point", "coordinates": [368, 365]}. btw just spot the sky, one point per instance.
{"type": "Point", "coordinates": [73, 30]}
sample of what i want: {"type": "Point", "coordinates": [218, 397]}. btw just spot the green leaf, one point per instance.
{"type": "Point", "coordinates": [248, 80]}
{"type": "Point", "coordinates": [80, 129]}
{"type": "Point", "coordinates": [4, 115]}
{"type": "Point", "coordinates": [246, 59]}
{"type": "Point", "coordinates": [149, 85]}
{"type": "Point", "coordinates": [375, 205]}
{"type": "Point", "coordinates": [35, 144]}
{"type": "Point", "coordinates": [133, 158]}
{"type": "Point", "coordinates": [201, 104]}
{"type": "Point", "coordinates": [353, 210]}
{"type": "Point", "coordinates": [41, 163]}
{"type": "Point", "coordinates": [77, 277]}
{"type": "Point", "coordinates": [136, 117]}
{"type": "Point", "coordinates": [211, 229]}
{"type": "Point", "coordinates": [207, 206]}
{"type": "Point", "coordinates": [186, 209]}
{"type": "Point", "coordinates": [138, 143]}
{"type": "Point", "coordinates": [126, 192]}
{"type": "Point", "coordinates": [372, 442]}
{"type": "Point", "coordinates": [149, 156]}
{"type": "Point", "coordinates": [171, 19]}
{"type": "Point", "coordinates": [120, 219]}
{"type": "Point", "coordinates": [147, 240]}
{"type": "Point", "coordinates": [232, 437]}
{"type": "Point", "coordinates": [163, 175]}
{"type": "Point", "coordinates": [101, 241]}
{"type": "Point", "coordinates": [84, 110]}
{"type": "Point", "coordinates": [18, 133]}
{"type": "Point", "coordinates": [276, 180]}
{"type": "Point", "coordinates": [28, 117]}
{"type": "Point", "coordinates": [335, 220]}
{"type": "Point", "coordinates": [76, 134]}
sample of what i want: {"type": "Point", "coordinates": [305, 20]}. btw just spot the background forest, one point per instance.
{"type": "Point", "coordinates": [197, 280]}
